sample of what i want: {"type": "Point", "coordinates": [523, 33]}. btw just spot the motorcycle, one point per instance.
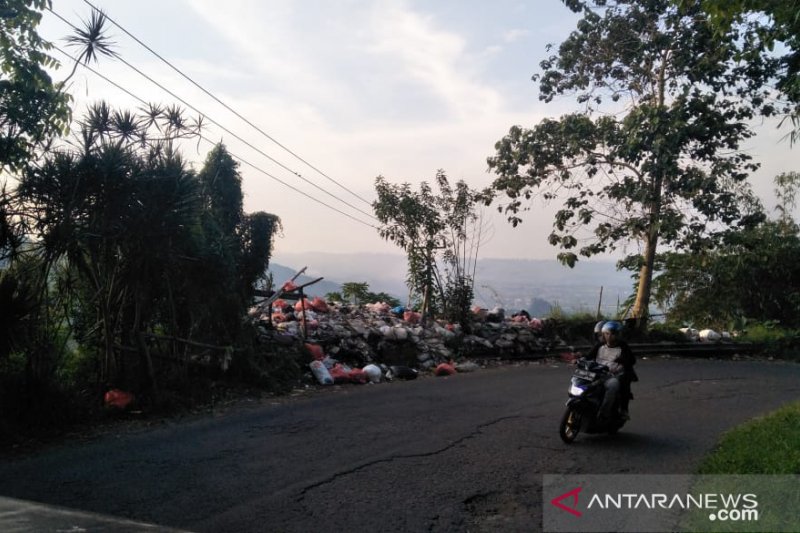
{"type": "Point", "coordinates": [586, 393]}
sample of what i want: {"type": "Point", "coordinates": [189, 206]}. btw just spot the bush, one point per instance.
{"type": "Point", "coordinates": [777, 341]}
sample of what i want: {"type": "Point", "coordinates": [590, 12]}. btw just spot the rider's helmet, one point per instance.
{"type": "Point", "coordinates": [599, 327]}
{"type": "Point", "coordinates": [612, 326]}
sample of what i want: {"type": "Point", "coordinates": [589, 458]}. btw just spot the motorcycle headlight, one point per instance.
{"type": "Point", "coordinates": [575, 391]}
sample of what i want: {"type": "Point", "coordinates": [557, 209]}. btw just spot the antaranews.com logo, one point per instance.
{"type": "Point", "coordinates": [666, 503]}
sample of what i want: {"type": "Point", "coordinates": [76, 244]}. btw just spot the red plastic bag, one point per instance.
{"type": "Point", "coordinates": [339, 374]}
{"type": "Point", "coordinates": [444, 369]}
{"type": "Point", "coordinates": [298, 307]}
{"type": "Point", "coordinates": [412, 317]}
{"type": "Point", "coordinates": [288, 286]}
{"type": "Point", "coordinates": [358, 376]}
{"type": "Point", "coordinates": [280, 303]}
{"type": "Point", "coordinates": [316, 351]}
{"type": "Point", "coordinates": [118, 399]}
{"type": "Point", "coordinates": [319, 305]}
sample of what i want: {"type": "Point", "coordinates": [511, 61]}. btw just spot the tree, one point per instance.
{"type": "Point", "coordinates": [118, 213]}
{"type": "Point", "coordinates": [662, 166]}
{"type": "Point", "coordinates": [783, 27]}
{"type": "Point", "coordinates": [440, 235]}
{"type": "Point", "coordinates": [355, 292]}
{"type": "Point", "coordinates": [32, 109]}
{"type": "Point", "coordinates": [753, 275]}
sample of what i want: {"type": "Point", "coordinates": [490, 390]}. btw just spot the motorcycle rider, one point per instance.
{"type": "Point", "coordinates": [598, 331]}
{"type": "Point", "coordinates": [615, 353]}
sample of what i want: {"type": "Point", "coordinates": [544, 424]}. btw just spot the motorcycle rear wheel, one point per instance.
{"type": "Point", "coordinates": [570, 425]}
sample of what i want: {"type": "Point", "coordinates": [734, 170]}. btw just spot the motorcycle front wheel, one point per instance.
{"type": "Point", "coordinates": [570, 425]}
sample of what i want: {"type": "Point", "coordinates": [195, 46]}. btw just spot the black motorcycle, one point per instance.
{"type": "Point", "coordinates": [586, 393]}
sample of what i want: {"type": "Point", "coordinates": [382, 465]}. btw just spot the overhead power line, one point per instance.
{"type": "Point", "coordinates": [242, 160]}
{"type": "Point", "coordinates": [210, 119]}
{"type": "Point", "coordinates": [226, 106]}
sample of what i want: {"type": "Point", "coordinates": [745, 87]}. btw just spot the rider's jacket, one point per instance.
{"type": "Point", "coordinates": [619, 359]}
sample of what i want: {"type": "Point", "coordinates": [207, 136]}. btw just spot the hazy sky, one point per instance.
{"type": "Point", "coordinates": [358, 89]}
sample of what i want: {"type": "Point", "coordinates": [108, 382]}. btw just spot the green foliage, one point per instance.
{"type": "Point", "coordinates": [664, 166]}
{"type": "Point", "coordinates": [334, 297]}
{"type": "Point", "coordinates": [32, 110]}
{"type": "Point", "coordinates": [258, 232]}
{"type": "Point", "coordinates": [112, 249]}
{"type": "Point", "coordinates": [574, 327]}
{"type": "Point", "coordinates": [749, 456]}
{"type": "Point", "coordinates": [19, 302]}
{"type": "Point", "coordinates": [441, 237]}
{"type": "Point", "coordinates": [755, 273]}
{"type": "Point", "coordinates": [143, 246]}
{"type": "Point", "coordinates": [665, 332]}
{"type": "Point", "coordinates": [783, 27]}
{"type": "Point", "coordinates": [457, 299]}
{"type": "Point", "coordinates": [275, 367]}
{"type": "Point", "coordinates": [355, 292]}
{"type": "Point", "coordinates": [766, 445]}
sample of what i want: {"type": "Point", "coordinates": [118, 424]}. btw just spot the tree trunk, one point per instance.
{"type": "Point", "coordinates": [144, 351]}
{"type": "Point", "coordinates": [641, 307]}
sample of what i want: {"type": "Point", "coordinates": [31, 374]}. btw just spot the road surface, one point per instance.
{"type": "Point", "coordinates": [463, 453]}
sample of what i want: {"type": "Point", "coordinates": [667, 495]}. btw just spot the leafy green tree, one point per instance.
{"type": "Point", "coordinates": [662, 165]}
{"type": "Point", "coordinates": [334, 297]}
{"type": "Point", "coordinates": [753, 275]}
{"type": "Point", "coordinates": [438, 234]}
{"type": "Point", "coordinates": [119, 211]}
{"type": "Point", "coordinates": [412, 221]}
{"type": "Point", "coordinates": [32, 109]}
{"type": "Point", "coordinates": [356, 292]}
{"type": "Point", "coordinates": [235, 252]}
{"type": "Point", "coordinates": [783, 27]}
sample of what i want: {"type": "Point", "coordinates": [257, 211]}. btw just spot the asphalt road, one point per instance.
{"type": "Point", "coordinates": [463, 453]}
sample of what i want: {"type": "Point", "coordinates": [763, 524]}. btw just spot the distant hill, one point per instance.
{"type": "Point", "coordinates": [512, 283]}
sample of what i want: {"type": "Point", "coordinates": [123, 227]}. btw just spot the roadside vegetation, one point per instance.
{"type": "Point", "coordinates": [765, 446]}
{"type": "Point", "coordinates": [121, 266]}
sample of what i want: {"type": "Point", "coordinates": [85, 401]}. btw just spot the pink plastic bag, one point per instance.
{"type": "Point", "coordinates": [444, 369]}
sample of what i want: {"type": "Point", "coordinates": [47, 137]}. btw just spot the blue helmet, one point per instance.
{"type": "Point", "coordinates": [612, 326]}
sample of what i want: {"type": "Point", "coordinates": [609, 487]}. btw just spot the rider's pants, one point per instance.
{"type": "Point", "coordinates": [612, 386]}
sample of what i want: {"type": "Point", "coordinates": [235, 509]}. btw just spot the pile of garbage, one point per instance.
{"type": "Point", "coordinates": [375, 342]}
{"type": "Point", "coordinates": [705, 335]}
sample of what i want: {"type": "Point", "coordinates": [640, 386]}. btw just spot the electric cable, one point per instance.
{"type": "Point", "coordinates": [210, 119]}
{"type": "Point", "coordinates": [238, 158]}
{"type": "Point", "coordinates": [226, 106]}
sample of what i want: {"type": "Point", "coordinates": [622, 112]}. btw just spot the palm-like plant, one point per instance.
{"type": "Point", "coordinates": [91, 41]}
{"type": "Point", "coordinates": [121, 213]}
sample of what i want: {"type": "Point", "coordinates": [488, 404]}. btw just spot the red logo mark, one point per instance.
{"type": "Point", "coordinates": [574, 495]}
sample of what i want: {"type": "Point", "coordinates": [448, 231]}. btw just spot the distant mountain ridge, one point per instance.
{"type": "Point", "coordinates": [510, 283]}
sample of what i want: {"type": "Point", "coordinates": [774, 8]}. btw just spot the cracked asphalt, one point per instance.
{"type": "Point", "coordinates": [463, 453]}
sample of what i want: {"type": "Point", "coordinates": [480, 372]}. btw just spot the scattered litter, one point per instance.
{"type": "Point", "coordinates": [401, 372]}
{"type": "Point", "coordinates": [321, 373]}
{"type": "Point", "coordinates": [444, 369]}
{"type": "Point", "coordinates": [118, 399]}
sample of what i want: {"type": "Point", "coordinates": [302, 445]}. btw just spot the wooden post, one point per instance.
{"type": "Point", "coordinates": [600, 302]}
{"type": "Point", "coordinates": [303, 307]}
